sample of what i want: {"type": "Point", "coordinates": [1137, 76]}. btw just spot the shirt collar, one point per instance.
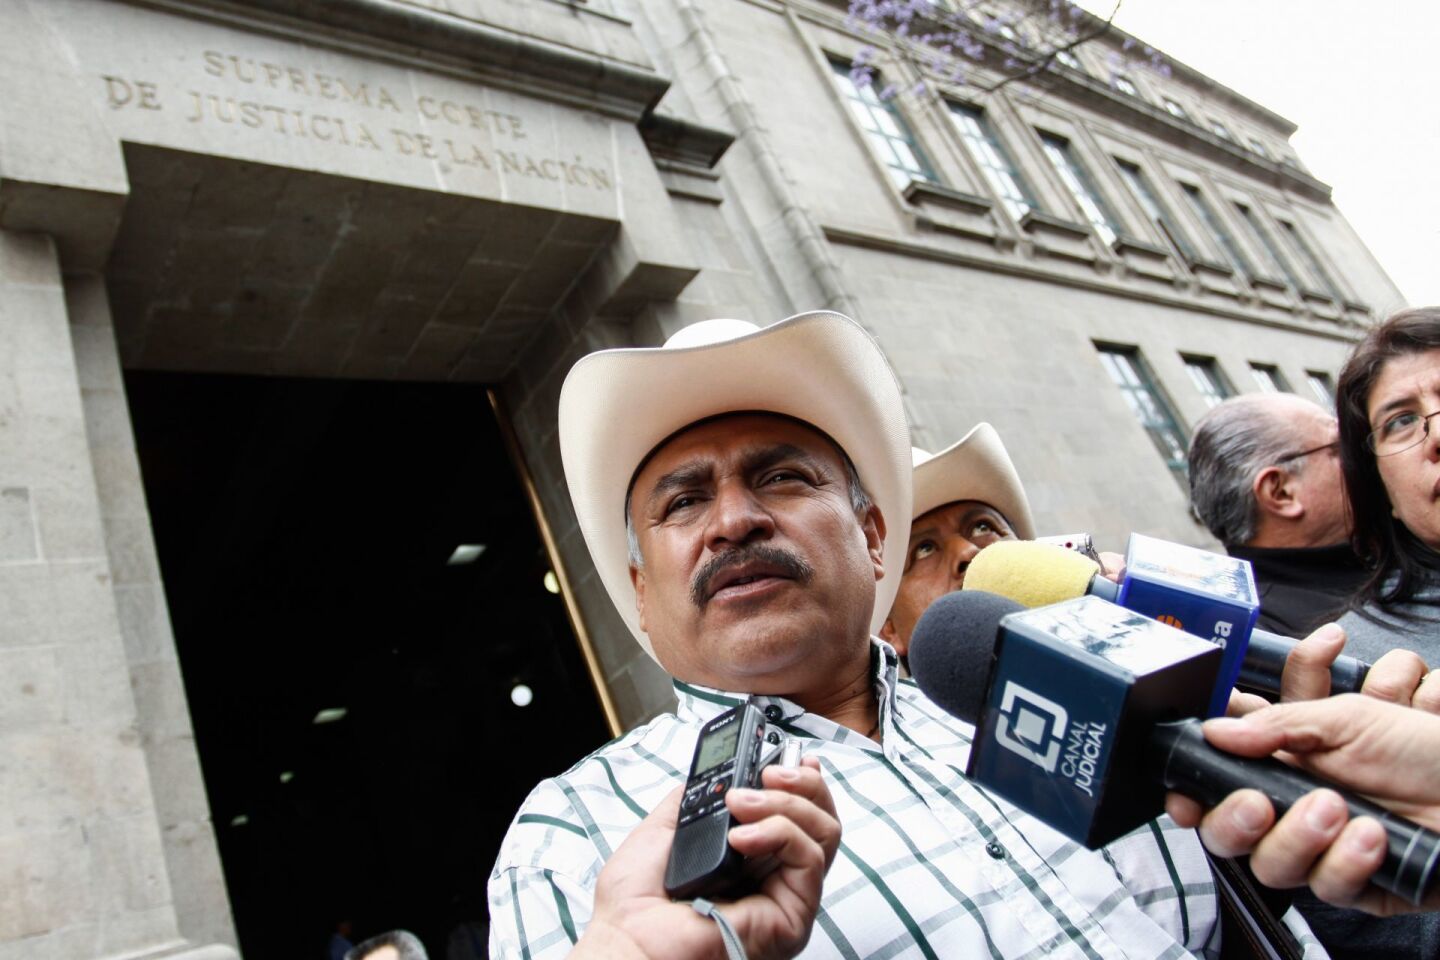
{"type": "Point", "coordinates": [699, 704]}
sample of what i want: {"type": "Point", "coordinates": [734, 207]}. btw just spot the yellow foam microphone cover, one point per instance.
{"type": "Point", "coordinates": [1030, 573]}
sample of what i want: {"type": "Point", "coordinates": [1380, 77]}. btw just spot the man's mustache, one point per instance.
{"type": "Point", "coordinates": [782, 562]}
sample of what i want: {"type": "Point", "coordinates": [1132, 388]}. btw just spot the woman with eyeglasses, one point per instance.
{"type": "Point", "coordinates": [1387, 400]}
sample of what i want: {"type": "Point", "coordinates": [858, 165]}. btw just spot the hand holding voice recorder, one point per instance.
{"type": "Point", "coordinates": [731, 752]}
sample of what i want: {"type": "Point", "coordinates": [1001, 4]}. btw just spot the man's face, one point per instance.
{"type": "Point", "coordinates": [757, 573]}
{"type": "Point", "coordinates": [942, 544]}
{"type": "Point", "coordinates": [1319, 484]}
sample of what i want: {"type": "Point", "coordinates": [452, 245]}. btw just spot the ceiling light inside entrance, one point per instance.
{"type": "Point", "coordinates": [330, 715]}
{"type": "Point", "coordinates": [465, 553]}
{"type": "Point", "coordinates": [521, 695]}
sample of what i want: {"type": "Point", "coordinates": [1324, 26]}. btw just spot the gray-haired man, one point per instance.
{"type": "Point", "coordinates": [1265, 479]}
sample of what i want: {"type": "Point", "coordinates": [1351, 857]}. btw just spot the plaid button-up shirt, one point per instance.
{"type": "Point", "coordinates": [929, 864]}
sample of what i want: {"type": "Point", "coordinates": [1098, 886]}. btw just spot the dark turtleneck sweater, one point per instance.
{"type": "Point", "coordinates": [1302, 587]}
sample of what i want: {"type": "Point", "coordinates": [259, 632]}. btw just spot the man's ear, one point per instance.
{"type": "Point", "coordinates": [890, 635]}
{"type": "Point", "coordinates": [873, 526]}
{"type": "Point", "coordinates": [637, 580]}
{"type": "Point", "coordinates": [1275, 494]}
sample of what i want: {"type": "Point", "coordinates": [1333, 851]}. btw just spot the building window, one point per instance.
{"type": "Point", "coordinates": [1159, 215]}
{"type": "Point", "coordinates": [1069, 59]}
{"type": "Point", "coordinates": [1082, 188]}
{"type": "Point", "coordinates": [1205, 374]}
{"type": "Point", "coordinates": [1221, 131]}
{"type": "Point", "coordinates": [885, 128]}
{"type": "Point", "coordinates": [993, 159]}
{"type": "Point", "coordinates": [1322, 386]}
{"type": "Point", "coordinates": [1259, 148]}
{"type": "Point", "coordinates": [1125, 85]}
{"type": "Point", "coordinates": [1217, 229]}
{"type": "Point", "coordinates": [1266, 244]}
{"type": "Point", "coordinates": [1298, 244]}
{"type": "Point", "coordinates": [1175, 110]}
{"type": "Point", "coordinates": [1269, 378]}
{"type": "Point", "coordinates": [1129, 373]}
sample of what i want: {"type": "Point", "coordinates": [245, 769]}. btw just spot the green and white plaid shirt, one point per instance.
{"type": "Point", "coordinates": [929, 864]}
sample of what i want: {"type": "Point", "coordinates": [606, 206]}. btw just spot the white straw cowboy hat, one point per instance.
{"type": "Point", "coordinates": [976, 468]}
{"type": "Point", "coordinates": [822, 368]}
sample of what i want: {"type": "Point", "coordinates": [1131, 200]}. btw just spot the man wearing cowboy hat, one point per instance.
{"type": "Point", "coordinates": [756, 470]}
{"type": "Point", "coordinates": [967, 497]}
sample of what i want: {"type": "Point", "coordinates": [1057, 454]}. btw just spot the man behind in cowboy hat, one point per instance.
{"type": "Point", "coordinates": [758, 470]}
{"type": "Point", "coordinates": [967, 497]}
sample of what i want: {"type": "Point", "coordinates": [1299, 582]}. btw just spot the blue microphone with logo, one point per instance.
{"type": "Point", "coordinates": [1085, 715]}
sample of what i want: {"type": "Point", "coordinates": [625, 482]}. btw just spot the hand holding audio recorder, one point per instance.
{"type": "Point", "coordinates": [731, 752]}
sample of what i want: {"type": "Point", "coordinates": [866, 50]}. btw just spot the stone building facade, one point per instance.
{"type": "Point", "coordinates": [483, 191]}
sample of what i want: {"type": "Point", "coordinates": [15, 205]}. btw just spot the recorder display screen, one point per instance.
{"type": "Point", "coordinates": [717, 747]}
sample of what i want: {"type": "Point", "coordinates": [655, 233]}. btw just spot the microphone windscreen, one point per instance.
{"type": "Point", "coordinates": [952, 647]}
{"type": "Point", "coordinates": [1030, 573]}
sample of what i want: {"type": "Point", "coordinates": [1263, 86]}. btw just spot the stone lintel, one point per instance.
{"type": "Point", "coordinates": [1139, 249]}
{"type": "Point", "coordinates": [921, 192]}
{"type": "Point", "coordinates": [82, 222]}
{"type": "Point", "coordinates": [1210, 267]}
{"type": "Point", "coordinates": [1037, 221]}
{"type": "Point", "coordinates": [1268, 283]}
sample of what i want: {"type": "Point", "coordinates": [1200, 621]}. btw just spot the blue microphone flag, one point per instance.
{"type": "Point", "coordinates": [1205, 594]}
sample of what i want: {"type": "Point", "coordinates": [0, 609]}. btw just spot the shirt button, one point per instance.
{"type": "Point", "coordinates": [773, 713]}
{"type": "Point", "coordinates": [995, 850]}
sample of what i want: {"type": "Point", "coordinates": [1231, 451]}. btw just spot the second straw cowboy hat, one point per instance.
{"type": "Point", "coordinates": [976, 468]}
{"type": "Point", "coordinates": [618, 405]}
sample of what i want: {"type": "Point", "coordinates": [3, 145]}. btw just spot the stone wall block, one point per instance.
{"type": "Point", "coordinates": [31, 689]}
{"type": "Point", "coordinates": [49, 783]}
{"type": "Point", "coordinates": [69, 528]}
{"type": "Point", "coordinates": [129, 864]}
{"type": "Point", "coordinates": [200, 899]}
{"type": "Point", "coordinates": [117, 477]}
{"type": "Point", "coordinates": [65, 603]}
{"type": "Point", "coordinates": [28, 260]}
{"type": "Point", "coordinates": [97, 688]}
{"type": "Point", "coordinates": [19, 540]}
{"type": "Point", "coordinates": [175, 769]}
{"type": "Point", "coordinates": [47, 879]}
{"type": "Point", "coordinates": [160, 696]}
{"type": "Point", "coordinates": [130, 547]}
{"type": "Point", "coordinates": [144, 623]}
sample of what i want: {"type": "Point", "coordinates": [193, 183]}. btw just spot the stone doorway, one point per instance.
{"type": "Point", "coordinates": [305, 362]}
{"type": "Point", "coordinates": [360, 601]}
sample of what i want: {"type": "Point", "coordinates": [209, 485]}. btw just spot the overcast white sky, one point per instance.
{"type": "Point", "coordinates": [1362, 82]}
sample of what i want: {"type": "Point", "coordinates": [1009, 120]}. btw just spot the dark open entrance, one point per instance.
{"type": "Point", "coordinates": [308, 534]}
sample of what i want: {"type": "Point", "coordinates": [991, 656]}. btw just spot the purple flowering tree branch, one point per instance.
{"type": "Point", "coordinates": [1021, 40]}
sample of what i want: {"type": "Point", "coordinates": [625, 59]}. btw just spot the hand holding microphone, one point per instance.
{"type": "Point", "coordinates": [1388, 752]}
{"type": "Point", "coordinates": [1086, 718]}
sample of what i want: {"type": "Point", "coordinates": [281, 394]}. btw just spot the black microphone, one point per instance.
{"type": "Point", "coordinates": [1085, 714]}
{"type": "Point", "coordinates": [1039, 573]}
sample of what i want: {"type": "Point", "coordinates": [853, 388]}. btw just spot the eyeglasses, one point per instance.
{"type": "Point", "coordinates": [1399, 433]}
{"type": "Point", "coordinates": [1333, 444]}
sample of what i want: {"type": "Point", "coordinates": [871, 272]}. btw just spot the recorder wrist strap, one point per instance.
{"type": "Point", "coordinates": [734, 950]}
